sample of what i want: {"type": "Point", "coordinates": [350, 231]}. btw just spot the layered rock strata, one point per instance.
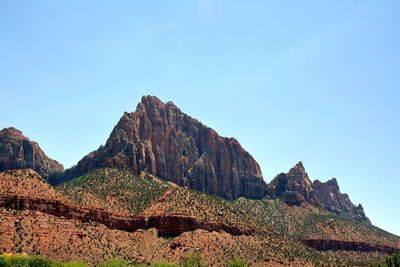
{"type": "Point", "coordinates": [329, 244]}
{"type": "Point", "coordinates": [166, 225]}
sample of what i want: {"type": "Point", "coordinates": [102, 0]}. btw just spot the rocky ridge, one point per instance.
{"type": "Point", "coordinates": [161, 140]}
{"type": "Point", "coordinates": [18, 152]}
{"type": "Point", "coordinates": [295, 188]}
{"type": "Point", "coordinates": [329, 195]}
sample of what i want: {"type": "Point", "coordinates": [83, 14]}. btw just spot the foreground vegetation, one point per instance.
{"type": "Point", "coordinates": [9, 260]}
{"type": "Point", "coordinates": [391, 261]}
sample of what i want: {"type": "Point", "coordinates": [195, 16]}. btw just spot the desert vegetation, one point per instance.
{"type": "Point", "coordinates": [22, 260]}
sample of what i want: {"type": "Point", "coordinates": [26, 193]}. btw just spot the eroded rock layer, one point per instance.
{"type": "Point", "coordinates": [328, 244]}
{"type": "Point", "coordinates": [166, 225]}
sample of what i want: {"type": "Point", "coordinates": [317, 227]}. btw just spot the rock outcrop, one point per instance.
{"type": "Point", "coordinates": [18, 152]}
{"type": "Point", "coordinates": [166, 225]}
{"type": "Point", "coordinates": [161, 140]}
{"type": "Point", "coordinates": [294, 187]}
{"type": "Point", "coordinates": [328, 194]}
{"type": "Point", "coordinates": [329, 244]}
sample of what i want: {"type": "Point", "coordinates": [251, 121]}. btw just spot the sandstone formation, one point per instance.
{"type": "Point", "coordinates": [294, 187]}
{"type": "Point", "coordinates": [161, 140]}
{"type": "Point", "coordinates": [18, 152]}
{"type": "Point", "coordinates": [328, 244]}
{"type": "Point", "coordinates": [328, 194]}
{"type": "Point", "coordinates": [166, 225]}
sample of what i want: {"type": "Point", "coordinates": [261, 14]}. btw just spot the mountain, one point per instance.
{"type": "Point", "coordinates": [328, 194]}
{"type": "Point", "coordinates": [18, 152]}
{"type": "Point", "coordinates": [296, 188]}
{"type": "Point", "coordinates": [160, 139]}
{"type": "Point", "coordinates": [293, 187]}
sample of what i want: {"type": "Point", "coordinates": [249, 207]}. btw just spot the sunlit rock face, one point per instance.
{"type": "Point", "coordinates": [161, 140]}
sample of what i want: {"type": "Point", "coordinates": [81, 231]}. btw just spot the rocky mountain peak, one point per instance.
{"type": "Point", "coordinates": [299, 167]}
{"type": "Point", "coordinates": [18, 152]}
{"type": "Point", "coordinates": [299, 174]}
{"type": "Point", "coordinates": [329, 195]}
{"type": "Point", "coordinates": [294, 187]}
{"type": "Point", "coordinates": [13, 133]}
{"type": "Point", "coordinates": [161, 140]}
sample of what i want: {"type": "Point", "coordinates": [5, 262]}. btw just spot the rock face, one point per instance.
{"type": "Point", "coordinates": [161, 140]}
{"type": "Point", "coordinates": [328, 194]}
{"type": "Point", "coordinates": [18, 152]}
{"type": "Point", "coordinates": [294, 187]}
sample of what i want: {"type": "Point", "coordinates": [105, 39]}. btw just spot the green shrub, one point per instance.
{"type": "Point", "coordinates": [6, 261]}
{"type": "Point", "coordinates": [164, 264]}
{"type": "Point", "coordinates": [70, 264]}
{"type": "Point", "coordinates": [390, 261]}
{"type": "Point", "coordinates": [115, 262]}
{"type": "Point", "coordinates": [159, 264]}
{"type": "Point", "coordinates": [193, 261]}
{"type": "Point", "coordinates": [393, 261]}
{"type": "Point", "coordinates": [237, 263]}
{"type": "Point", "coordinates": [39, 262]}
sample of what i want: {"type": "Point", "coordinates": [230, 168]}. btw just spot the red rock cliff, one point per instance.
{"type": "Point", "coordinates": [18, 152]}
{"type": "Point", "coordinates": [329, 195]}
{"type": "Point", "coordinates": [161, 140]}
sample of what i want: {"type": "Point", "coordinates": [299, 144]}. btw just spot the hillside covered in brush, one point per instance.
{"type": "Point", "coordinates": [272, 232]}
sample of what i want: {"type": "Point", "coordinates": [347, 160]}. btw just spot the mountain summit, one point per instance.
{"type": "Point", "coordinates": [294, 187]}
{"type": "Point", "coordinates": [160, 139]}
{"type": "Point", "coordinates": [18, 152]}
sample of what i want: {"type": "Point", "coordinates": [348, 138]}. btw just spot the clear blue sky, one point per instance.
{"type": "Point", "coordinates": [316, 81]}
